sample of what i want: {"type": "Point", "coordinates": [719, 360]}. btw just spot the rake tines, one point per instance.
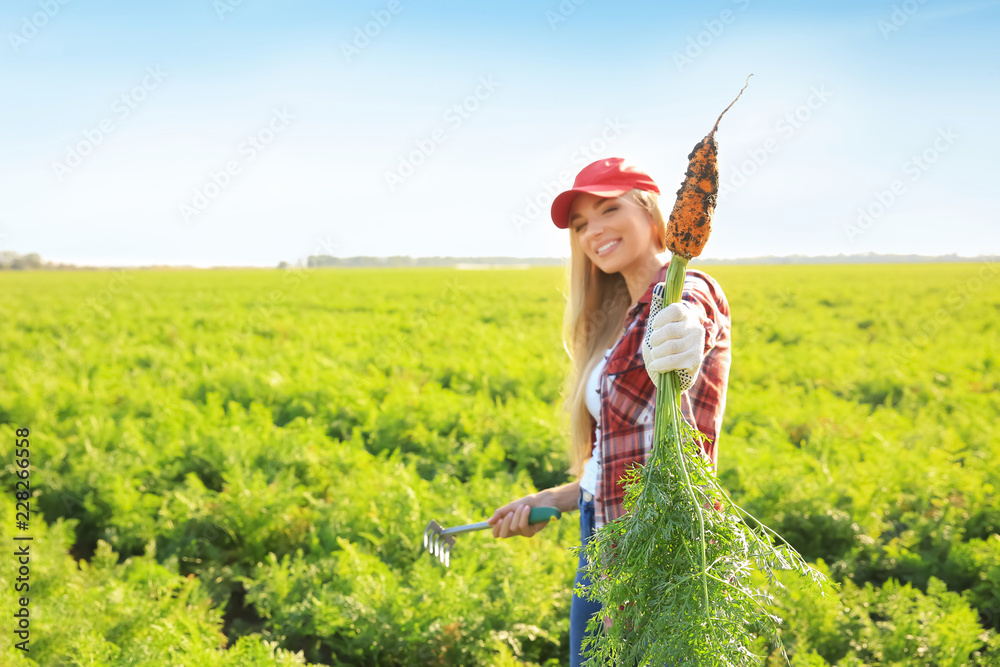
{"type": "Point", "coordinates": [438, 543]}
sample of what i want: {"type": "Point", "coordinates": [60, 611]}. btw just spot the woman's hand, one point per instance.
{"type": "Point", "coordinates": [674, 341]}
{"type": "Point", "coordinates": [512, 518]}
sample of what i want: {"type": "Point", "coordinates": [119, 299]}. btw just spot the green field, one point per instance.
{"type": "Point", "coordinates": [236, 467]}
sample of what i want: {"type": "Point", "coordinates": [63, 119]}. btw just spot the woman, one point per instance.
{"type": "Point", "coordinates": [617, 257]}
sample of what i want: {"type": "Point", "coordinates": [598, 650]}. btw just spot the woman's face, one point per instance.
{"type": "Point", "coordinates": [616, 233]}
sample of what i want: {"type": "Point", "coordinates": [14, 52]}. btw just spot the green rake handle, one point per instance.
{"type": "Point", "coordinates": [537, 515]}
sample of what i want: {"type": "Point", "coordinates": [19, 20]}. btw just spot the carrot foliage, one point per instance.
{"type": "Point", "coordinates": [674, 572]}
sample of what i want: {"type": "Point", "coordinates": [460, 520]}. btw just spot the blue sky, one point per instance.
{"type": "Point", "coordinates": [218, 132]}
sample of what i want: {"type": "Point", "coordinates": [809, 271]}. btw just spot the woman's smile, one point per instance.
{"type": "Point", "coordinates": [607, 247]}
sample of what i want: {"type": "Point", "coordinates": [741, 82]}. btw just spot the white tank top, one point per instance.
{"type": "Point", "coordinates": [593, 400]}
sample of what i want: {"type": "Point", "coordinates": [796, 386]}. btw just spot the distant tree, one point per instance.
{"type": "Point", "coordinates": [282, 265]}
{"type": "Point", "coordinates": [10, 260]}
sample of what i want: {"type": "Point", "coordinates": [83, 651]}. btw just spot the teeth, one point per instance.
{"type": "Point", "coordinates": [606, 246]}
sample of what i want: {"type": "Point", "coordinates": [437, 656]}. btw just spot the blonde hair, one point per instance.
{"type": "Point", "coordinates": [596, 305]}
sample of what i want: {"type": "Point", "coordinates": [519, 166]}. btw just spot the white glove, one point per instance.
{"type": "Point", "coordinates": [674, 340]}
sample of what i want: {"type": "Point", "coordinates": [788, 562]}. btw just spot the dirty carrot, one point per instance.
{"type": "Point", "coordinates": [690, 220]}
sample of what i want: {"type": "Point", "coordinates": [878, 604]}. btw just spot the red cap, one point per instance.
{"type": "Point", "coordinates": [610, 177]}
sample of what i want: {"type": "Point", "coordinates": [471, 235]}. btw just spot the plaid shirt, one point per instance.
{"type": "Point", "coordinates": [628, 396]}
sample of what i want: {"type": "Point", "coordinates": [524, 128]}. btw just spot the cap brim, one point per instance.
{"type": "Point", "coordinates": [562, 203]}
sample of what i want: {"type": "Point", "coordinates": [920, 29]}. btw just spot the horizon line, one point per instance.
{"type": "Point", "coordinates": [375, 261]}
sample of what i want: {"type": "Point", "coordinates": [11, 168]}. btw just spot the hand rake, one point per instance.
{"type": "Point", "coordinates": [439, 541]}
